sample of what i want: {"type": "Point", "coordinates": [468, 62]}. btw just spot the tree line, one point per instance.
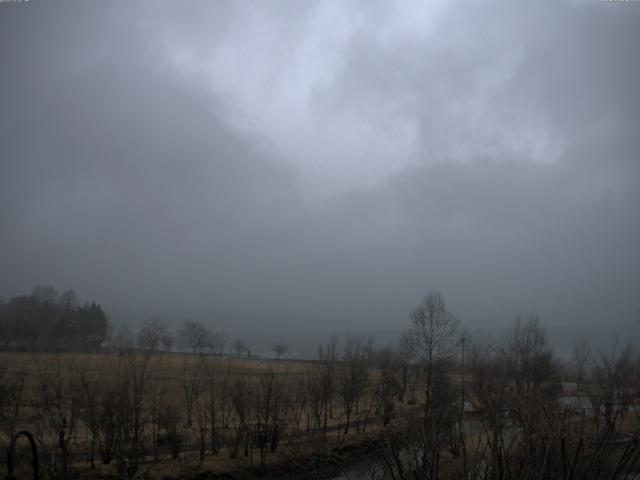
{"type": "Point", "coordinates": [46, 318]}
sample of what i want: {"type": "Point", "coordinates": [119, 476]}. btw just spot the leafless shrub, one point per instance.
{"type": "Point", "coordinates": [56, 411]}
{"type": "Point", "coordinates": [616, 373]}
{"type": "Point", "coordinates": [270, 406]}
{"type": "Point", "coordinates": [192, 378]}
{"type": "Point", "coordinates": [353, 375]}
{"type": "Point", "coordinates": [11, 399]}
{"type": "Point", "coordinates": [580, 359]}
{"type": "Point", "coordinates": [387, 388]}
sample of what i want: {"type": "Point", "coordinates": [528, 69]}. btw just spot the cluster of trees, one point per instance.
{"type": "Point", "coordinates": [496, 414]}
{"type": "Point", "coordinates": [191, 337]}
{"type": "Point", "coordinates": [46, 318]}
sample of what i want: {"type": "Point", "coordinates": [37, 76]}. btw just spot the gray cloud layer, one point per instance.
{"type": "Point", "coordinates": [290, 163]}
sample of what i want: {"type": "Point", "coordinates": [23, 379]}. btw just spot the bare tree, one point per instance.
{"type": "Point", "coordinates": [616, 373]}
{"type": "Point", "coordinates": [404, 355]}
{"type": "Point", "coordinates": [315, 387]}
{"type": "Point", "coordinates": [580, 359]}
{"type": "Point", "coordinates": [353, 375]}
{"type": "Point", "coordinates": [300, 401]}
{"type": "Point", "coordinates": [388, 387]}
{"type": "Point", "coordinates": [491, 389]}
{"type": "Point", "coordinates": [216, 393]}
{"type": "Point", "coordinates": [56, 412]}
{"type": "Point", "coordinates": [46, 293]}
{"type": "Point", "coordinates": [167, 342]}
{"type": "Point", "coordinates": [11, 399]}
{"type": "Point", "coordinates": [533, 372]}
{"type": "Point", "coordinates": [240, 397]}
{"type": "Point", "coordinates": [152, 335]}
{"type": "Point", "coordinates": [270, 405]}
{"type": "Point", "coordinates": [328, 361]}
{"type": "Point", "coordinates": [126, 412]}
{"type": "Point", "coordinates": [194, 336]}
{"type": "Point", "coordinates": [433, 336]}
{"type": "Point", "coordinates": [192, 376]}
{"type": "Point", "coordinates": [170, 435]}
{"type": "Point", "coordinates": [123, 338]}
{"type": "Point", "coordinates": [217, 343]}
{"type": "Point", "coordinates": [68, 299]}
{"type": "Point", "coordinates": [91, 391]}
{"type": "Point", "coordinates": [280, 349]}
{"type": "Point", "coordinates": [520, 378]}
{"type": "Point", "coordinates": [240, 347]}
{"type": "Point", "coordinates": [417, 450]}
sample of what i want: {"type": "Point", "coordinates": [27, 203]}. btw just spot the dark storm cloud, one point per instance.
{"type": "Point", "coordinates": [288, 163]}
{"type": "Point", "coordinates": [124, 173]}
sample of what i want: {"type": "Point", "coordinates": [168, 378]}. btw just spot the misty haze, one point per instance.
{"type": "Point", "coordinates": [320, 240]}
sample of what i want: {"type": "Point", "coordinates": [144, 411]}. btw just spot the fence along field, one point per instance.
{"type": "Point", "coordinates": [432, 407]}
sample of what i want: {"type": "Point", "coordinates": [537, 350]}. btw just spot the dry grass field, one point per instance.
{"type": "Point", "coordinates": [130, 414]}
{"type": "Point", "coordinates": [127, 413]}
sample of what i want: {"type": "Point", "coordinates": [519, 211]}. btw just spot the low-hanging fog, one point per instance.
{"type": "Point", "coordinates": [320, 166]}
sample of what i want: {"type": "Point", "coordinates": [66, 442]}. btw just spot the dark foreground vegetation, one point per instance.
{"type": "Point", "coordinates": [436, 405]}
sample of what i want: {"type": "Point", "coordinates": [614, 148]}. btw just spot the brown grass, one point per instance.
{"type": "Point", "coordinates": [65, 369]}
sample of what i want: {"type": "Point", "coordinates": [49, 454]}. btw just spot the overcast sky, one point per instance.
{"type": "Point", "coordinates": [323, 165]}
